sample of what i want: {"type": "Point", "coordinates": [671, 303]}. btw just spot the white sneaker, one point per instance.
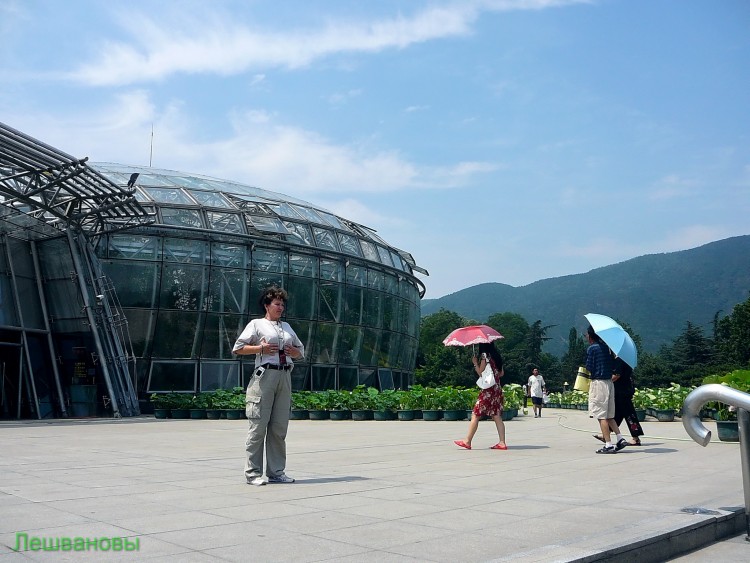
{"type": "Point", "coordinates": [257, 481]}
{"type": "Point", "coordinates": [283, 478]}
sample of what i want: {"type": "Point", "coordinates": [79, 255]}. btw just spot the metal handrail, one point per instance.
{"type": "Point", "coordinates": [691, 421]}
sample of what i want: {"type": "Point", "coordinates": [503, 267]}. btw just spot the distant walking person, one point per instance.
{"type": "Point", "coordinates": [537, 388]}
{"type": "Point", "coordinates": [600, 364]}
{"type": "Point", "coordinates": [624, 409]}
{"type": "Point", "coordinates": [490, 401]}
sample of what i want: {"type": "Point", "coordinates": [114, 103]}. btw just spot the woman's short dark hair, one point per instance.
{"type": "Point", "coordinates": [269, 294]}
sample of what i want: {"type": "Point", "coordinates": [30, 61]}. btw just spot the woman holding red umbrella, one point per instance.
{"type": "Point", "coordinates": [490, 401]}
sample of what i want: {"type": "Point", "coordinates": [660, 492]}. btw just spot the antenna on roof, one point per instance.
{"type": "Point", "coordinates": [151, 154]}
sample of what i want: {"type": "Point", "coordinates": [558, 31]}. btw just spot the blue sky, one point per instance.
{"type": "Point", "coordinates": [496, 140]}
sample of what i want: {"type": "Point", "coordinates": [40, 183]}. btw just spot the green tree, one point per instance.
{"type": "Point", "coordinates": [436, 363]}
{"type": "Point", "coordinates": [574, 357]}
{"type": "Point", "coordinates": [733, 336]}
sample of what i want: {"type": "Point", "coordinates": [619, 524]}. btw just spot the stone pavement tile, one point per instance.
{"type": "Point", "coordinates": [295, 548]}
{"type": "Point", "coordinates": [177, 520]}
{"type": "Point", "coordinates": [32, 516]}
{"type": "Point", "coordinates": [485, 545]}
{"type": "Point", "coordinates": [226, 535]}
{"type": "Point", "coordinates": [384, 535]}
{"type": "Point", "coordinates": [190, 499]}
{"type": "Point", "coordinates": [254, 512]}
{"type": "Point", "coordinates": [103, 509]}
{"type": "Point", "coordinates": [324, 520]}
{"type": "Point", "coordinates": [391, 509]}
{"type": "Point", "coordinates": [736, 548]}
{"type": "Point", "coordinates": [375, 556]}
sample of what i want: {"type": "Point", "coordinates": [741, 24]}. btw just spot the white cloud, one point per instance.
{"type": "Point", "coordinates": [213, 42]}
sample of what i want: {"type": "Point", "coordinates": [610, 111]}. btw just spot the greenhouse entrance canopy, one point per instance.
{"type": "Point", "coordinates": [42, 187]}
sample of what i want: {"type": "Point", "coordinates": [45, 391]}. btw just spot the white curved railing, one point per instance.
{"type": "Point", "coordinates": [692, 422]}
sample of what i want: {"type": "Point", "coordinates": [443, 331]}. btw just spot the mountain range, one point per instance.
{"type": "Point", "coordinates": [656, 294]}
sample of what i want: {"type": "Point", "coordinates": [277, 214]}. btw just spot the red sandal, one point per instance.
{"type": "Point", "coordinates": [499, 446]}
{"type": "Point", "coordinates": [462, 444]}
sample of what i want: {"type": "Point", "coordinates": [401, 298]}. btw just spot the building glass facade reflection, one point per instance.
{"type": "Point", "coordinates": [177, 288]}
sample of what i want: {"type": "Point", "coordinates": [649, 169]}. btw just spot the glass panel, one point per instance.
{"type": "Point", "coordinates": [301, 377]}
{"type": "Point", "coordinates": [210, 199]}
{"type": "Point", "coordinates": [228, 222]}
{"type": "Point", "coordinates": [309, 214]}
{"type": "Point", "coordinates": [373, 313]}
{"type": "Point", "coordinates": [181, 217]}
{"type": "Point", "coordinates": [353, 305]}
{"type": "Point", "coordinates": [325, 344]}
{"type": "Point", "coordinates": [301, 265]}
{"type": "Point", "coordinates": [136, 282]}
{"type": "Point", "coordinates": [375, 279]}
{"type": "Point", "coordinates": [219, 375]}
{"type": "Point", "coordinates": [299, 233]}
{"type": "Point", "coordinates": [349, 345]}
{"type": "Point", "coordinates": [369, 250]}
{"type": "Point", "coordinates": [7, 302]}
{"type": "Point", "coordinates": [31, 308]}
{"type": "Point", "coordinates": [133, 247]}
{"type": "Point", "coordinates": [356, 275]}
{"type": "Point", "coordinates": [259, 282]}
{"type": "Point", "coordinates": [331, 270]}
{"type": "Point", "coordinates": [266, 224]}
{"type": "Point", "coordinates": [330, 301]}
{"type": "Point", "coordinates": [183, 286]}
{"type": "Point", "coordinates": [149, 179]}
{"type": "Point", "coordinates": [175, 334]}
{"type": "Point", "coordinates": [63, 301]}
{"type": "Point", "coordinates": [384, 350]}
{"type": "Point", "coordinates": [220, 332]}
{"type": "Point", "coordinates": [368, 355]}
{"type": "Point", "coordinates": [270, 261]}
{"type": "Point", "coordinates": [348, 377]}
{"type": "Point", "coordinates": [285, 210]}
{"type": "Point", "coordinates": [385, 256]}
{"type": "Point", "coordinates": [172, 376]}
{"type": "Point", "coordinates": [325, 238]}
{"type": "Point", "coordinates": [390, 312]}
{"type": "Point", "coordinates": [396, 259]}
{"type": "Point", "coordinates": [228, 290]}
{"type": "Point", "coordinates": [332, 220]}
{"type": "Point", "coordinates": [349, 244]}
{"type": "Point", "coordinates": [302, 303]}
{"type": "Point", "coordinates": [165, 195]}
{"type": "Point", "coordinates": [323, 378]}
{"type": "Point", "coordinates": [231, 255]}
{"type": "Point", "coordinates": [390, 284]}
{"type": "Point", "coordinates": [185, 250]}
{"type": "Point", "coordinates": [368, 377]}
{"type": "Point", "coordinates": [385, 377]}
{"type": "Point", "coordinates": [140, 325]}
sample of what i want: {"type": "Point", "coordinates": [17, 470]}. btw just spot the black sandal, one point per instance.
{"type": "Point", "coordinates": [599, 437]}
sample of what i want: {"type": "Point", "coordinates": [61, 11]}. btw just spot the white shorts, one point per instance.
{"type": "Point", "coordinates": [602, 399]}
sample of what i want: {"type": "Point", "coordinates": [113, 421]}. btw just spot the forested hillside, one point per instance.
{"type": "Point", "coordinates": [656, 294]}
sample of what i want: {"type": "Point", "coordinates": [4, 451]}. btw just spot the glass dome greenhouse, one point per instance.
{"type": "Point", "coordinates": [145, 287]}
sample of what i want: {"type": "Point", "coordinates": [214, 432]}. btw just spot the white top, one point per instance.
{"type": "Point", "coordinates": [536, 384]}
{"type": "Point", "coordinates": [271, 332]}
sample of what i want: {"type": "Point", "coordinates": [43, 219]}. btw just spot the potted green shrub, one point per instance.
{"type": "Point", "coordinates": [362, 402]}
{"type": "Point", "coordinates": [407, 404]}
{"type": "Point", "coordinates": [318, 405]}
{"type": "Point", "coordinates": [219, 401]}
{"type": "Point", "coordinates": [727, 427]}
{"type": "Point", "coordinates": [339, 405]}
{"type": "Point", "coordinates": [181, 404]}
{"type": "Point", "coordinates": [235, 404]}
{"type": "Point", "coordinates": [162, 404]}
{"type": "Point", "coordinates": [640, 402]}
{"type": "Point", "coordinates": [199, 406]}
{"type": "Point", "coordinates": [384, 404]}
{"type": "Point", "coordinates": [431, 406]}
{"type": "Point", "coordinates": [300, 405]}
{"type": "Point", "coordinates": [414, 401]}
{"type": "Point", "coordinates": [452, 402]}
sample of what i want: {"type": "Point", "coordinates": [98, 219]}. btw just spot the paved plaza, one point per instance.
{"type": "Point", "coordinates": [365, 491]}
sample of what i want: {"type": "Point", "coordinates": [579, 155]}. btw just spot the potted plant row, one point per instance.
{"type": "Point", "coordinates": [216, 404]}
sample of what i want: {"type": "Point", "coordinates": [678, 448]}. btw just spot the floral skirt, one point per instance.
{"type": "Point", "coordinates": [490, 402]}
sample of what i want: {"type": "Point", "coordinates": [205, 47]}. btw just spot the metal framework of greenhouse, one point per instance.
{"type": "Point", "coordinates": [46, 194]}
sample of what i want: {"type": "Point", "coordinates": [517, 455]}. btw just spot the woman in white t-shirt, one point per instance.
{"type": "Point", "coordinates": [269, 394]}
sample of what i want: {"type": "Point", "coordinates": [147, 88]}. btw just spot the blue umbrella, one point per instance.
{"type": "Point", "coordinates": [615, 337]}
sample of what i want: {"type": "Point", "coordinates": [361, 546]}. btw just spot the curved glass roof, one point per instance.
{"type": "Point", "coordinates": [201, 202]}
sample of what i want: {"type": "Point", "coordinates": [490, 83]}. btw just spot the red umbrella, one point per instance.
{"type": "Point", "coordinates": [470, 335]}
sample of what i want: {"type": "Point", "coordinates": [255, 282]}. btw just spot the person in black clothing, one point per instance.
{"type": "Point", "coordinates": [622, 377]}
